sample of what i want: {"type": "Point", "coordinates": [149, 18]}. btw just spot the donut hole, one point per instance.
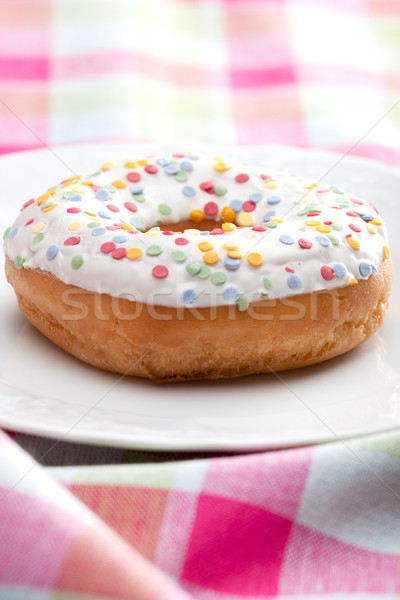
{"type": "Point", "coordinates": [205, 225]}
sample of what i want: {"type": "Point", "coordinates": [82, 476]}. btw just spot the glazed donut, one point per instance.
{"type": "Point", "coordinates": [191, 266]}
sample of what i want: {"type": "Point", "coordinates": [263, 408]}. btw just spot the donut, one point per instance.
{"type": "Point", "coordinates": [190, 266]}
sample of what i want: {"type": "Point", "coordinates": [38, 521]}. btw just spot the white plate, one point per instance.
{"type": "Point", "coordinates": [47, 392]}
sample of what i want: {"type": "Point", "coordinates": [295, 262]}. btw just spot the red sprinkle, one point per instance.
{"type": "Point", "coordinates": [303, 243]}
{"type": "Point", "coordinates": [248, 206]}
{"type": "Point", "coordinates": [152, 169]}
{"type": "Point", "coordinates": [130, 206]}
{"type": "Point", "coordinates": [313, 214]}
{"type": "Point", "coordinates": [327, 272]}
{"type": "Point", "coordinates": [242, 178]}
{"type": "Point", "coordinates": [29, 222]}
{"type": "Point", "coordinates": [289, 270]}
{"type": "Point", "coordinates": [181, 241]}
{"type": "Point", "coordinates": [348, 235]}
{"type": "Point", "coordinates": [133, 177]}
{"type": "Point", "coordinates": [259, 228]}
{"type": "Point", "coordinates": [118, 253]}
{"type": "Point", "coordinates": [328, 222]}
{"type": "Point", "coordinates": [355, 228]}
{"type": "Point", "coordinates": [160, 271]}
{"type": "Point", "coordinates": [72, 241]}
{"type": "Point", "coordinates": [108, 247]}
{"type": "Point", "coordinates": [207, 186]}
{"type": "Point", "coordinates": [210, 209]}
{"type": "Point", "coordinates": [336, 207]}
{"type": "Point", "coordinates": [217, 231]}
{"type": "Point", "coordinates": [73, 210]}
{"type": "Point", "coordinates": [351, 213]}
{"type": "Point", "coordinates": [113, 208]}
{"type": "Point", "coordinates": [168, 232]}
{"type": "Point", "coordinates": [28, 203]}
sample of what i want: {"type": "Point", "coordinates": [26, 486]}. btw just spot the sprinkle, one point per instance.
{"type": "Point", "coordinates": [210, 209]}
{"type": "Point", "coordinates": [255, 259]}
{"type": "Point", "coordinates": [162, 162]}
{"type": "Point", "coordinates": [204, 272]}
{"type": "Point", "coordinates": [228, 226]}
{"type": "Point", "coordinates": [211, 258]}
{"type": "Point", "coordinates": [43, 198]}
{"type": "Point", "coordinates": [355, 228]}
{"type": "Point", "coordinates": [160, 271]}
{"type": "Point", "coordinates": [277, 220]}
{"type": "Point", "coordinates": [188, 191]}
{"type": "Point", "coordinates": [108, 247]}
{"type": "Point", "coordinates": [231, 294]}
{"type": "Point", "coordinates": [178, 255]}
{"type": "Point", "coordinates": [259, 228]}
{"type": "Point", "coordinates": [271, 225]}
{"type": "Point", "coordinates": [220, 166]}
{"type": "Point", "coordinates": [242, 178]}
{"type": "Point", "coordinates": [171, 169]}
{"type": "Point", "coordinates": [205, 246]}
{"type": "Point", "coordinates": [340, 270]}
{"type": "Point", "coordinates": [113, 208]}
{"type": "Point", "coordinates": [218, 278]}
{"type": "Point", "coordinates": [98, 230]}
{"type": "Point", "coordinates": [327, 272]}
{"type": "Point", "coordinates": [154, 250]}
{"type": "Point", "coordinates": [270, 185]}
{"type": "Point", "coordinates": [38, 238]}
{"type": "Point", "coordinates": [26, 225]}
{"type": "Point", "coordinates": [268, 215]}
{"type": "Point", "coordinates": [74, 210]}
{"type": "Point", "coordinates": [180, 241]}
{"type": "Point", "coordinates": [35, 229]}
{"type": "Point", "coordinates": [267, 283]}
{"type": "Point", "coordinates": [294, 282]}
{"type": "Point", "coordinates": [118, 253]}
{"type": "Point", "coordinates": [313, 223]}
{"type": "Point", "coordinates": [6, 233]}
{"type": "Point", "coordinates": [134, 253]}
{"type": "Point", "coordinates": [287, 239]}
{"type": "Point", "coordinates": [77, 262]}
{"type": "Point", "coordinates": [228, 214]}
{"type": "Point", "coordinates": [333, 239]}
{"type": "Point", "coordinates": [337, 227]}
{"type": "Point", "coordinates": [104, 215]}
{"type": "Point", "coordinates": [130, 206]}
{"type": "Point", "coordinates": [207, 186]}
{"type": "Point", "coordinates": [236, 205]}
{"type": "Point", "coordinates": [189, 297]}
{"type": "Point", "coordinates": [274, 200]}
{"type": "Point", "coordinates": [377, 222]}
{"type": "Point", "coordinates": [249, 206]}
{"type": "Point", "coordinates": [133, 177]}
{"type": "Point", "coordinates": [75, 225]}
{"type": "Point", "coordinates": [352, 281]}
{"type": "Point", "coordinates": [196, 215]}
{"type": "Point", "coordinates": [386, 251]}
{"type": "Point", "coordinates": [186, 166]}
{"type": "Point", "coordinates": [351, 213]}
{"type": "Point", "coordinates": [130, 164]}
{"type": "Point", "coordinates": [303, 243]}
{"type": "Point", "coordinates": [234, 254]}
{"type": "Point", "coordinates": [19, 261]}
{"type": "Point", "coordinates": [193, 267]}
{"type": "Point", "coordinates": [231, 263]}
{"type": "Point", "coordinates": [28, 203]}
{"type": "Point", "coordinates": [368, 217]}
{"type": "Point", "coordinates": [371, 228]}
{"type": "Point", "coordinates": [151, 169]}
{"type": "Point", "coordinates": [181, 176]}
{"type": "Point", "coordinates": [256, 197]}
{"type": "Point", "coordinates": [242, 303]}
{"type": "Point", "coordinates": [322, 240]}
{"type": "Point", "coordinates": [323, 228]}
{"type": "Point", "coordinates": [164, 209]}
{"type": "Point", "coordinates": [137, 189]}
{"type": "Point", "coordinates": [353, 242]}
{"type": "Point", "coordinates": [75, 198]}
{"type": "Point", "coordinates": [365, 269]}
{"type": "Point", "coordinates": [244, 219]}
{"type": "Point", "coordinates": [120, 239]}
{"type": "Point", "coordinates": [220, 190]}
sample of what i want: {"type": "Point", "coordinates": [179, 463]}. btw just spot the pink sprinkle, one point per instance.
{"type": "Point", "coordinates": [108, 247]}
{"type": "Point", "coordinates": [118, 253]}
{"type": "Point", "coordinates": [73, 210]}
{"type": "Point", "coordinates": [242, 178]}
{"type": "Point", "coordinates": [336, 207]}
{"type": "Point", "coordinates": [217, 231]}
{"type": "Point", "coordinates": [355, 228]}
{"type": "Point", "coordinates": [351, 213]}
{"type": "Point", "coordinates": [72, 241]}
{"type": "Point", "coordinates": [160, 271]}
{"type": "Point", "coordinates": [28, 203]}
{"type": "Point", "coordinates": [348, 235]}
{"type": "Point", "coordinates": [289, 270]}
{"type": "Point", "coordinates": [249, 206]}
{"type": "Point", "coordinates": [355, 201]}
{"type": "Point", "coordinates": [313, 214]}
{"type": "Point", "coordinates": [113, 208]}
{"type": "Point", "coordinates": [178, 155]}
{"type": "Point", "coordinates": [259, 228]}
{"type": "Point", "coordinates": [113, 227]}
{"type": "Point", "coordinates": [130, 206]}
{"type": "Point", "coordinates": [132, 231]}
{"type": "Point", "coordinates": [152, 169]}
{"type": "Point", "coordinates": [168, 232]}
{"type": "Point", "coordinates": [264, 177]}
{"type": "Point", "coordinates": [207, 186]}
{"type": "Point", "coordinates": [210, 209]}
{"type": "Point", "coordinates": [133, 177]}
{"type": "Point", "coordinates": [95, 188]}
{"type": "Point", "coordinates": [29, 222]}
{"type": "Point", "coordinates": [327, 272]}
{"type": "Point", "coordinates": [328, 222]}
{"type": "Point", "coordinates": [303, 243]}
{"type": "Point", "coordinates": [181, 241]}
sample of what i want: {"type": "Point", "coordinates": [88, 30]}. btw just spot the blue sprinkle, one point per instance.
{"type": "Point", "coordinates": [231, 263]}
{"type": "Point", "coordinates": [186, 166]}
{"type": "Point", "coordinates": [286, 239]}
{"type": "Point", "coordinates": [193, 156]}
{"type": "Point", "coordinates": [365, 269]}
{"type": "Point", "coordinates": [120, 239]}
{"type": "Point", "coordinates": [294, 282]}
{"type": "Point", "coordinates": [374, 269]}
{"type": "Point", "coordinates": [102, 195]}
{"type": "Point", "coordinates": [135, 222]}
{"type": "Point", "coordinates": [269, 214]}
{"type": "Point", "coordinates": [188, 191]}
{"type": "Point", "coordinates": [13, 233]}
{"type": "Point", "coordinates": [322, 240]}
{"type": "Point", "coordinates": [368, 218]}
{"type": "Point", "coordinates": [257, 197]}
{"type": "Point", "coordinates": [75, 198]}
{"type": "Point", "coordinates": [104, 215]}
{"type": "Point", "coordinates": [231, 294]}
{"type": "Point", "coordinates": [189, 296]}
{"type": "Point", "coordinates": [340, 270]}
{"type": "Point", "coordinates": [98, 231]}
{"type": "Point", "coordinates": [162, 162]}
{"type": "Point", "coordinates": [171, 169]}
{"type": "Point", "coordinates": [274, 200]}
{"type": "Point", "coordinates": [137, 189]}
{"type": "Point", "coordinates": [52, 251]}
{"type": "Point", "coordinates": [204, 232]}
{"type": "Point", "coordinates": [237, 205]}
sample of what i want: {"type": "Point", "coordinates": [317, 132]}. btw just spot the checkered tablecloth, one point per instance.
{"type": "Point", "coordinates": [310, 523]}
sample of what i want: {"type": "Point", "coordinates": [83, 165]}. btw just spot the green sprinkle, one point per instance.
{"type": "Point", "coordinates": [305, 211]}
{"type": "Point", "coordinates": [271, 225]}
{"type": "Point", "coordinates": [96, 174]}
{"type": "Point", "coordinates": [193, 267]}
{"type": "Point", "coordinates": [19, 261]}
{"type": "Point", "coordinates": [38, 238]}
{"type": "Point", "coordinates": [140, 197]}
{"type": "Point", "coordinates": [5, 234]}
{"type": "Point", "coordinates": [220, 190]}
{"type": "Point", "coordinates": [154, 250]}
{"type": "Point", "coordinates": [242, 303]}
{"type": "Point", "coordinates": [53, 187]}
{"type": "Point", "coordinates": [164, 209]}
{"type": "Point", "coordinates": [337, 226]}
{"type": "Point", "coordinates": [94, 224]}
{"type": "Point", "coordinates": [110, 188]}
{"type": "Point", "coordinates": [218, 278]}
{"type": "Point", "coordinates": [337, 191]}
{"type": "Point", "coordinates": [46, 205]}
{"type": "Point", "coordinates": [204, 272]}
{"type": "Point", "coordinates": [77, 262]}
{"type": "Point", "coordinates": [334, 239]}
{"type": "Point", "coordinates": [67, 194]}
{"type": "Point", "coordinates": [356, 209]}
{"type": "Point", "coordinates": [178, 255]}
{"type": "Point", "coordinates": [267, 283]}
{"type": "Point", "coordinates": [181, 176]}
{"type": "Point", "coordinates": [90, 213]}
{"type": "Point", "coordinates": [154, 228]}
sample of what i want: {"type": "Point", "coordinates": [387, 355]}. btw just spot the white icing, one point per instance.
{"type": "Point", "coordinates": [100, 272]}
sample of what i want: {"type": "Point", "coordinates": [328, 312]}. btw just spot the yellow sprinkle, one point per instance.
{"type": "Point", "coordinates": [352, 281]}
{"type": "Point", "coordinates": [312, 186]}
{"type": "Point", "coordinates": [219, 159]}
{"type": "Point", "coordinates": [313, 223]}
{"type": "Point", "coordinates": [94, 219]}
{"type": "Point", "coordinates": [134, 253]}
{"type": "Point", "coordinates": [210, 258]}
{"type": "Point", "coordinates": [107, 165]}
{"type": "Point", "coordinates": [324, 228]}
{"type": "Point", "coordinates": [230, 246]}
{"type": "Point", "coordinates": [255, 259]}
{"type": "Point", "coordinates": [234, 254]}
{"type": "Point", "coordinates": [142, 163]}
{"type": "Point", "coordinates": [79, 188]}
{"type": "Point", "coordinates": [386, 251]}
{"type": "Point", "coordinates": [75, 225]}
{"type": "Point", "coordinates": [196, 215]}
{"type": "Point", "coordinates": [307, 199]}
{"type": "Point", "coordinates": [270, 185]}
{"type": "Point", "coordinates": [245, 220]}
{"type": "Point", "coordinates": [220, 166]}
{"type": "Point", "coordinates": [228, 214]}
{"type": "Point", "coordinates": [38, 227]}
{"type": "Point", "coordinates": [49, 208]}
{"type": "Point", "coordinates": [228, 226]}
{"type": "Point", "coordinates": [277, 219]}
{"type": "Point", "coordinates": [88, 182]}
{"type": "Point", "coordinates": [376, 222]}
{"type": "Point", "coordinates": [130, 165]}
{"type": "Point", "coordinates": [118, 183]}
{"type": "Point", "coordinates": [128, 227]}
{"type": "Point", "coordinates": [371, 228]}
{"type": "Point", "coordinates": [192, 231]}
{"type": "Point", "coordinates": [43, 198]}
{"type": "Point", "coordinates": [205, 246]}
{"type": "Point", "coordinates": [153, 233]}
{"type": "Point", "coordinates": [353, 242]}
{"type": "Point", "coordinates": [73, 177]}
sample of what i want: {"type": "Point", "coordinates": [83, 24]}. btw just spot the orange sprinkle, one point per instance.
{"type": "Point", "coordinates": [142, 163]}
{"type": "Point", "coordinates": [107, 165]}
{"type": "Point", "coordinates": [228, 214]}
{"type": "Point", "coordinates": [134, 253]}
{"type": "Point", "coordinates": [49, 208]}
{"type": "Point", "coordinates": [234, 254]}
{"type": "Point", "coordinates": [376, 222]}
{"type": "Point", "coordinates": [205, 246]}
{"type": "Point", "coordinates": [118, 183]}
{"type": "Point", "coordinates": [255, 259]}
{"type": "Point", "coordinates": [352, 281]}
{"type": "Point", "coordinates": [88, 182]}
{"type": "Point", "coordinates": [313, 223]}
{"type": "Point", "coordinates": [324, 228]}
{"type": "Point", "coordinates": [130, 165]}
{"type": "Point", "coordinates": [196, 215]}
{"type": "Point", "coordinates": [220, 166]}
{"type": "Point", "coordinates": [73, 177]}
{"type": "Point", "coordinates": [353, 242]}
{"type": "Point", "coordinates": [210, 258]}
{"type": "Point", "coordinates": [386, 251]}
{"type": "Point", "coordinates": [43, 198]}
